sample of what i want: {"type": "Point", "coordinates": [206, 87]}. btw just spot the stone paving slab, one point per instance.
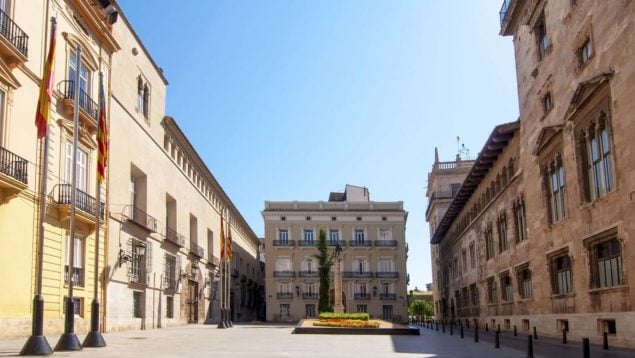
{"type": "Point", "coordinates": [264, 340]}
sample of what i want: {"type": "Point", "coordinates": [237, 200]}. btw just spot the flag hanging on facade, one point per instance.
{"type": "Point", "coordinates": [222, 239]}
{"type": "Point", "coordinates": [42, 114]}
{"type": "Point", "coordinates": [102, 133]}
{"type": "Point", "coordinates": [230, 249]}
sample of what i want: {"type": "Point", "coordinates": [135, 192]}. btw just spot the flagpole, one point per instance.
{"type": "Point", "coordinates": [223, 272]}
{"type": "Point", "coordinates": [229, 276]}
{"type": "Point", "coordinates": [94, 337]}
{"type": "Point", "coordinates": [37, 343]}
{"type": "Point", "coordinates": [69, 341]}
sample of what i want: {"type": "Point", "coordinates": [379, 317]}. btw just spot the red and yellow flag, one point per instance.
{"type": "Point", "coordinates": [42, 114]}
{"type": "Point", "coordinates": [222, 238]}
{"type": "Point", "coordinates": [230, 248]}
{"type": "Point", "coordinates": [102, 135]}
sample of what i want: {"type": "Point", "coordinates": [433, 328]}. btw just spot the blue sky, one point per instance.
{"type": "Point", "coordinates": [289, 100]}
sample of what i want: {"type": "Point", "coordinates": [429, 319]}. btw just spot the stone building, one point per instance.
{"type": "Point", "coordinates": [372, 235]}
{"type": "Point", "coordinates": [552, 246]}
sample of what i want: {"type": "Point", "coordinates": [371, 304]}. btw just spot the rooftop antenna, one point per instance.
{"type": "Point", "coordinates": [462, 152]}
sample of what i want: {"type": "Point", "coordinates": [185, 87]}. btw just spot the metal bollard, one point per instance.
{"type": "Point", "coordinates": [476, 334]}
{"type": "Point", "coordinates": [451, 330]}
{"type": "Point", "coordinates": [535, 333]}
{"type": "Point", "coordinates": [605, 341]}
{"type": "Point", "coordinates": [497, 342]}
{"type": "Point", "coordinates": [437, 325]}
{"type": "Point", "coordinates": [530, 346]}
{"type": "Point", "coordinates": [564, 336]}
{"type": "Point", "coordinates": [461, 330]}
{"type": "Point", "coordinates": [443, 326]}
{"type": "Point", "coordinates": [498, 329]}
{"type": "Point", "coordinates": [486, 328]}
{"type": "Point", "coordinates": [586, 348]}
{"type": "Point", "coordinates": [515, 331]}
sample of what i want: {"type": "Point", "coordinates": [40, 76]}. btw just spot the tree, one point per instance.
{"type": "Point", "coordinates": [325, 261]}
{"type": "Point", "coordinates": [421, 308]}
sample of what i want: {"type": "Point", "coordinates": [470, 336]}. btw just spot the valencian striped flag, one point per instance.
{"type": "Point", "coordinates": [230, 249]}
{"type": "Point", "coordinates": [222, 238]}
{"type": "Point", "coordinates": [42, 115]}
{"type": "Point", "coordinates": [102, 134]}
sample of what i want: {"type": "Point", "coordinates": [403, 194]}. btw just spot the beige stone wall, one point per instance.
{"type": "Point", "coordinates": [346, 222]}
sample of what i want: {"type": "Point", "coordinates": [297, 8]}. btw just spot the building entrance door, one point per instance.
{"type": "Point", "coordinates": [192, 302]}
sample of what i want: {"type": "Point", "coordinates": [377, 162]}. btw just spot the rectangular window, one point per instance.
{"type": "Point", "coordinates": [502, 233]}
{"type": "Point", "coordinates": [608, 257]}
{"type": "Point", "coordinates": [561, 278]}
{"type": "Point", "coordinates": [169, 307]}
{"type": "Point", "coordinates": [283, 236]}
{"type": "Point", "coordinates": [472, 256]}
{"type": "Point", "coordinates": [506, 284]}
{"type": "Point", "coordinates": [556, 192]}
{"type": "Point", "coordinates": [137, 304]}
{"type": "Point", "coordinates": [387, 312]}
{"type": "Point", "coordinates": [547, 103]}
{"type": "Point", "coordinates": [78, 306]}
{"type": "Point", "coordinates": [474, 294]}
{"type": "Point", "coordinates": [137, 268]}
{"type": "Point", "coordinates": [586, 51]}
{"type": "Point", "coordinates": [492, 291]}
{"type": "Point", "coordinates": [310, 311]}
{"type": "Point", "coordinates": [362, 308]}
{"type": "Point", "coordinates": [464, 259]}
{"type": "Point", "coordinates": [385, 235]}
{"type": "Point", "coordinates": [519, 220]}
{"type": "Point", "coordinates": [525, 288]}
{"type": "Point", "coordinates": [80, 170]}
{"type": "Point", "coordinates": [78, 261]}
{"type": "Point", "coordinates": [359, 236]}
{"type": "Point", "coordinates": [170, 276]}
{"type": "Point", "coordinates": [334, 237]}
{"type": "Point", "coordinates": [284, 264]}
{"type": "Point", "coordinates": [599, 159]}
{"type": "Point", "coordinates": [84, 78]}
{"type": "Point", "coordinates": [454, 188]}
{"type": "Point", "coordinates": [541, 37]}
{"type": "Point", "coordinates": [308, 236]}
{"type": "Point", "coordinates": [489, 242]}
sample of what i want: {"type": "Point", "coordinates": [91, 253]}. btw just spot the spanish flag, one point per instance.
{"type": "Point", "coordinates": [102, 134]}
{"type": "Point", "coordinates": [42, 115]}
{"type": "Point", "coordinates": [222, 238]}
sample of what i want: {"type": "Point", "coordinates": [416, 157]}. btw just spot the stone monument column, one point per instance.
{"type": "Point", "coordinates": [338, 307]}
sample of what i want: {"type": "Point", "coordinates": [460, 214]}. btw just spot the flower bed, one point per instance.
{"type": "Point", "coordinates": [350, 316]}
{"type": "Point", "coordinates": [346, 323]}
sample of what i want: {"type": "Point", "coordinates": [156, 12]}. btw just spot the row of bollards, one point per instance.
{"type": "Point", "coordinates": [434, 325]}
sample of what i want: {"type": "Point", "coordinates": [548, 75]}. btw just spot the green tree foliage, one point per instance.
{"type": "Point", "coordinates": [325, 260]}
{"type": "Point", "coordinates": [421, 308]}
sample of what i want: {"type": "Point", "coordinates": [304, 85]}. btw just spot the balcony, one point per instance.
{"type": "Point", "coordinates": [283, 274]}
{"type": "Point", "coordinates": [504, 9]}
{"type": "Point", "coordinates": [362, 296]}
{"type": "Point", "coordinates": [310, 295]}
{"type": "Point", "coordinates": [388, 296]}
{"type": "Point", "coordinates": [85, 204]}
{"type": "Point", "coordinates": [169, 283]}
{"type": "Point", "coordinates": [213, 260]}
{"type": "Point", "coordinates": [360, 243]}
{"type": "Point", "coordinates": [307, 243]}
{"type": "Point", "coordinates": [141, 218]}
{"type": "Point", "coordinates": [386, 243]}
{"type": "Point", "coordinates": [357, 274]}
{"type": "Point", "coordinates": [197, 250]}
{"type": "Point", "coordinates": [78, 276]}
{"type": "Point", "coordinates": [13, 172]}
{"type": "Point", "coordinates": [309, 274]}
{"type": "Point", "coordinates": [334, 243]}
{"type": "Point", "coordinates": [284, 295]}
{"type": "Point", "coordinates": [387, 274]}
{"type": "Point", "coordinates": [174, 237]}
{"type": "Point", "coordinates": [289, 243]}
{"type": "Point", "coordinates": [89, 109]}
{"type": "Point", "coordinates": [14, 43]}
{"type": "Point", "coordinates": [137, 274]}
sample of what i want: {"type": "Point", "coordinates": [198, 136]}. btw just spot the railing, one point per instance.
{"type": "Point", "coordinates": [174, 237]}
{"type": "Point", "coordinates": [310, 295]}
{"type": "Point", "coordinates": [387, 274]}
{"type": "Point", "coordinates": [283, 243]}
{"type": "Point", "coordinates": [283, 274]}
{"type": "Point", "coordinates": [83, 201]}
{"type": "Point", "coordinates": [503, 11]}
{"type": "Point", "coordinates": [357, 274]}
{"type": "Point", "coordinates": [360, 243]}
{"type": "Point", "coordinates": [362, 296]}
{"type": "Point", "coordinates": [141, 218]}
{"type": "Point", "coordinates": [386, 243]}
{"type": "Point", "coordinates": [387, 296]}
{"type": "Point", "coordinates": [169, 283]}
{"type": "Point", "coordinates": [137, 275]}
{"type": "Point", "coordinates": [197, 250]}
{"type": "Point", "coordinates": [78, 275]}
{"type": "Point", "coordinates": [12, 32]}
{"type": "Point", "coordinates": [308, 274]}
{"type": "Point", "coordinates": [284, 295]}
{"type": "Point", "coordinates": [334, 243]}
{"type": "Point", "coordinates": [13, 165]}
{"type": "Point", "coordinates": [307, 243]}
{"type": "Point", "coordinates": [85, 101]}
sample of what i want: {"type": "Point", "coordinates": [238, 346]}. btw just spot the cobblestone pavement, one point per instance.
{"type": "Point", "coordinates": [263, 340]}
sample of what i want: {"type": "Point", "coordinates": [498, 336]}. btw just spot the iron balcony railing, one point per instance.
{"type": "Point", "coordinates": [387, 296]}
{"type": "Point", "coordinates": [137, 273]}
{"type": "Point", "coordinates": [504, 9]}
{"type": "Point", "coordinates": [85, 101]}
{"type": "Point", "coordinates": [14, 34]}
{"type": "Point", "coordinates": [310, 295]}
{"type": "Point", "coordinates": [387, 274]}
{"type": "Point", "coordinates": [386, 243]}
{"type": "Point", "coordinates": [169, 283]}
{"type": "Point", "coordinates": [13, 165]}
{"type": "Point", "coordinates": [283, 274]}
{"type": "Point", "coordinates": [312, 273]}
{"type": "Point", "coordinates": [357, 274]}
{"type": "Point", "coordinates": [362, 296]}
{"type": "Point", "coordinates": [83, 201]}
{"type": "Point", "coordinates": [335, 242]}
{"type": "Point", "coordinates": [307, 243]}
{"type": "Point", "coordinates": [360, 243]}
{"type": "Point", "coordinates": [174, 237]}
{"type": "Point", "coordinates": [78, 275]}
{"type": "Point", "coordinates": [284, 295]}
{"type": "Point", "coordinates": [283, 243]}
{"type": "Point", "coordinates": [141, 218]}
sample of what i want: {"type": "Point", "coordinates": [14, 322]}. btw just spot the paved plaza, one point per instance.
{"type": "Point", "coordinates": [278, 341]}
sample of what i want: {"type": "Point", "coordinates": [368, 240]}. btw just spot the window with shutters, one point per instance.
{"type": "Point", "coordinates": [80, 169]}
{"type": "Point", "coordinates": [78, 260]}
{"type": "Point", "coordinates": [561, 275]}
{"type": "Point", "coordinates": [525, 289]}
{"type": "Point", "coordinates": [170, 272]}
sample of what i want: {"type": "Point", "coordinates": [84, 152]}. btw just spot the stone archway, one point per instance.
{"type": "Point", "coordinates": [332, 299]}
